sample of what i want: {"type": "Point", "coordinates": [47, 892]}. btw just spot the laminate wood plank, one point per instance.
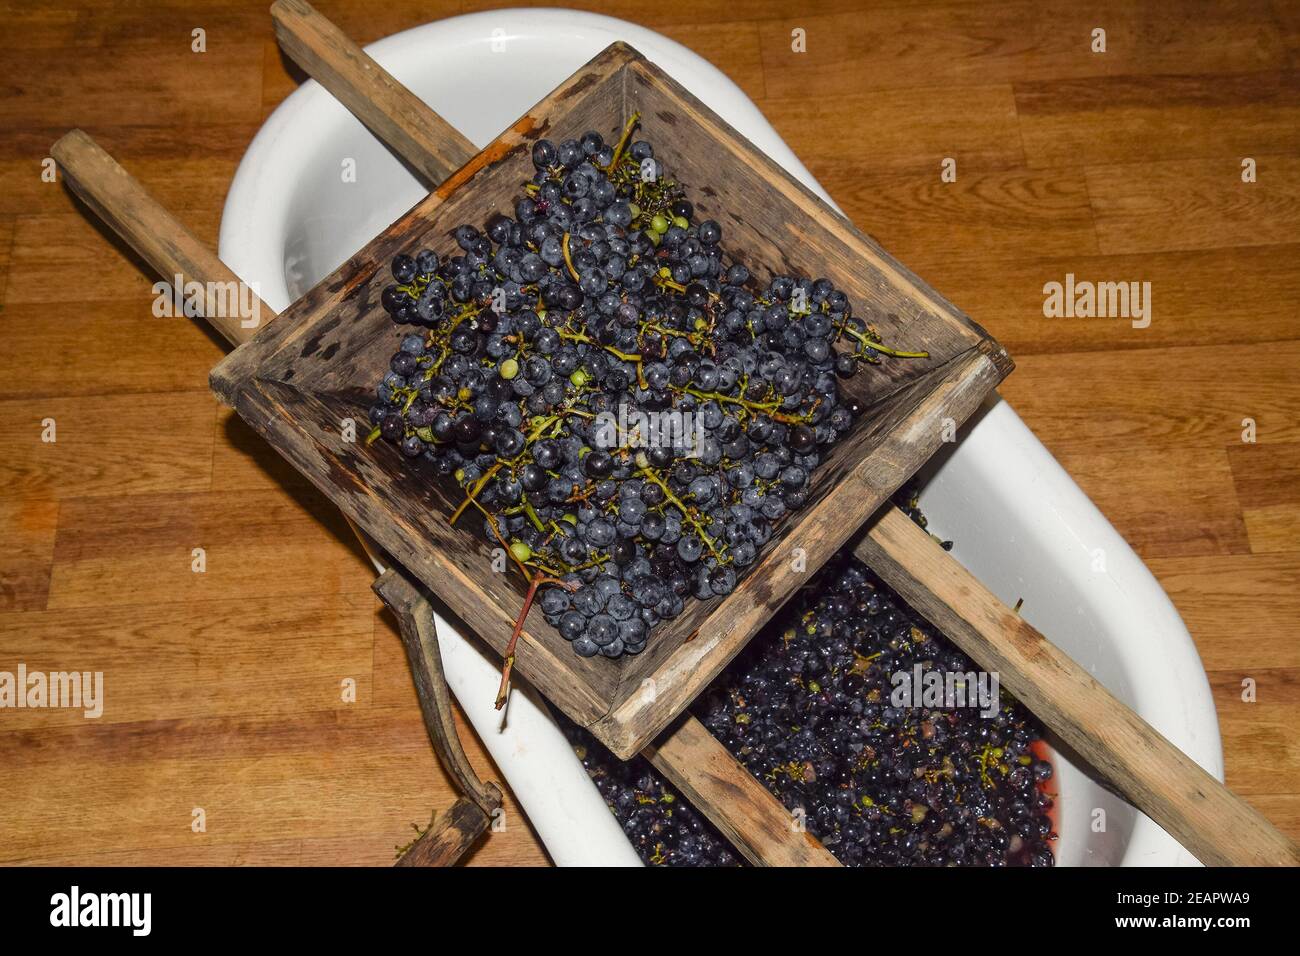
{"type": "Point", "coordinates": [1195, 204]}
{"type": "Point", "coordinates": [1267, 478]}
{"type": "Point", "coordinates": [1266, 475]}
{"type": "Point", "coordinates": [1239, 295]}
{"type": "Point", "coordinates": [168, 354]}
{"type": "Point", "coordinates": [184, 167]}
{"type": "Point", "coordinates": [158, 88]}
{"type": "Point", "coordinates": [68, 256]}
{"type": "Point", "coordinates": [1264, 735]}
{"type": "Point", "coordinates": [259, 656]}
{"type": "Point", "coordinates": [370, 847]}
{"type": "Point", "coordinates": [243, 461]}
{"type": "Point", "coordinates": [1159, 398]}
{"type": "Point", "coordinates": [912, 129]}
{"type": "Point", "coordinates": [1241, 609]}
{"type": "Point", "coordinates": [1281, 808]}
{"type": "Point", "coordinates": [1164, 501]}
{"type": "Point", "coordinates": [999, 213]}
{"type": "Point", "coordinates": [1122, 119]}
{"type": "Point", "coordinates": [113, 445]}
{"type": "Point", "coordinates": [138, 549]}
{"type": "Point", "coordinates": [1287, 15]}
{"type": "Point", "coordinates": [957, 43]}
{"type": "Point", "coordinates": [28, 527]}
{"type": "Point", "coordinates": [662, 15]}
{"type": "Point", "coordinates": [40, 26]}
{"type": "Point", "coordinates": [6, 254]}
{"type": "Point", "coordinates": [325, 776]}
{"type": "Point", "coordinates": [732, 47]}
{"type": "Point", "coordinates": [147, 23]}
{"type": "Point", "coordinates": [1272, 529]}
{"type": "Point", "coordinates": [280, 76]}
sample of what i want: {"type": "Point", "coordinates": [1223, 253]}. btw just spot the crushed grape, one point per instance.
{"type": "Point", "coordinates": [806, 708]}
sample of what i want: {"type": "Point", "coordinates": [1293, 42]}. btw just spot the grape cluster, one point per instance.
{"type": "Point", "coordinates": [629, 411]}
{"type": "Point", "coordinates": [808, 711]}
{"type": "Point", "coordinates": [806, 708]}
{"type": "Point", "coordinates": [664, 829]}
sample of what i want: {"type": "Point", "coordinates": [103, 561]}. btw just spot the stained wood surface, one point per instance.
{"type": "Point", "coordinates": [205, 711]}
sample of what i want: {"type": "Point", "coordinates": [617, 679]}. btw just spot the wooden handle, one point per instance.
{"type": "Point", "coordinates": [393, 113]}
{"type": "Point", "coordinates": [114, 195]}
{"type": "Point", "coordinates": [1202, 814]}
{"type": "Point", "coordinates": [420, 638]}
{"type": "Point", "coordinates": [746, 812]}
{"type": "Point", "coordinates": [450, 837]}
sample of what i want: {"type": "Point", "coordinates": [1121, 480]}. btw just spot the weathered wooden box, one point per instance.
{"type": "Point", "coordinates": [298, 379]}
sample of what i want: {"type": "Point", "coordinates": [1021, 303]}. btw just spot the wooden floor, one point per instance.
{"type": "Point", "coordinates": [224, 687]}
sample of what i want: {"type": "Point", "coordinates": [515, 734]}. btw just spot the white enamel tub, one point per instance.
{"type": "Point", "coordinates": [1020, 523]}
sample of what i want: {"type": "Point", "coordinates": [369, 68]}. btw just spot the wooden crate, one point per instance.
{"type": "Point", "coordinates": [317, 365]}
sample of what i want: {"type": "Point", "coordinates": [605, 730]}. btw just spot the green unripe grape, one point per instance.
{"type": "Point", "coordinates": [681, 222]}
{"type": "Point", "coordinates": [520, 551]}
{"type": "Point", "coordinates": [659, 223]}
{"type": "Point", "coordinates": [509, 369]}
{"type": "Point", "coordinates": [459, 475]}
{"type": "Point", "coordinates": [634, 209]}
{"type": "Point", "coordinates": [579, 377]}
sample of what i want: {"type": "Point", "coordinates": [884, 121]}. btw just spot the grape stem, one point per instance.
{"type": "Point", "coordinates": [770, 409]}
{"type": "Point", "coordinates": [652, 476]}
{"type": "Point", "coordinates": [875, 345]}
{"type": "Point", "coordinates": [568, 260]}
{"type": "Point", "coordinates": [488, 475]}
{"type": "Point", "coordinates": [622, 141]}
{"type": "Point", "coordinates": [630, 357]}
{"type": "Point", "coordinates": [534, 582]}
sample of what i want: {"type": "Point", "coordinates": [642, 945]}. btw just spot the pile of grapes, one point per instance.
{"type": "Point", "coordinates": [806, 707]}
{"type": "Point", "coordinates": [629, 412]}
